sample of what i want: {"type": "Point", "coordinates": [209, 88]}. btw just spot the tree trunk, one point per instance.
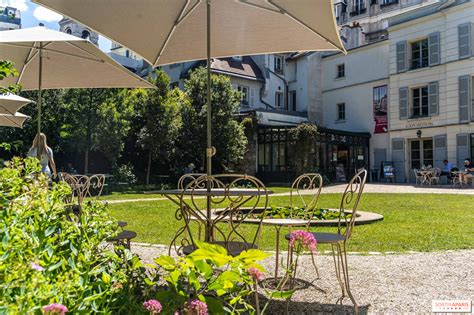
{"type": "Point", "coordinates": [88, 133]}
{"type": "Point", "coordinates": [148, 171]}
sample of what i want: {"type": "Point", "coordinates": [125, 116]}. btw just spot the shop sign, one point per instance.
{"type": "Point", "coordinates": [419, 124]}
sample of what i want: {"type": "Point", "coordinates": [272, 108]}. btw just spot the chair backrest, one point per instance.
{"type": "Point", "coordinates": [236, 198]}
{"type": "Point", "coordinates": [184, 180]}
{"type": "Point", "coordinates": [95, 186]}
{"type": "Point", "coordinates": [304, 186]}
{"type": "Point", "coordinates": [79, 186]}
{"type": "Point", "coordinates": [436, 172]}
{"type": "Point", "coordinates": [350, 201]}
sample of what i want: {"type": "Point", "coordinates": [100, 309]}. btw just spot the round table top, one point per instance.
{"type": "Point", "coordinates": [215, 192]}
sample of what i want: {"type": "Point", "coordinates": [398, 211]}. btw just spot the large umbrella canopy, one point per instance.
{"type": "Point", "coordinates": [48, 59]}
{"type": "Point", "coordinates": [169, 31]}
{"type": "Point", "coordinates": [68, 61]}
{"type": "Point", "coordinates": [8, 120]}
{"type": "Point", "coordinates": [11, 103]}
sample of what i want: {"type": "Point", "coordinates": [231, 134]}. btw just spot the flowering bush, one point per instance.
{"type": "Point", "coordinates": [302, 241]}
{"type": "Point", "coordinates": [209, 280]}
{"type": "Point", "coordinates": [53, 261]}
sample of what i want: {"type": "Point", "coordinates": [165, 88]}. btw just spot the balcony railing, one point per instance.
{"type": "Point", "coordinates": [419, 63]}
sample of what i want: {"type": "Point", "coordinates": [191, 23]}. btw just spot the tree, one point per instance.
{"type": "Point", "coordinates": [227, 134]}
{"type": "Point", "coordinates": [161, 112]}
{"type": "Point", "coordinates": [7, 69]}
{"type": "Point", "coordinates": [303, 140]}
{"type": "Point", "coordinates": [98, 120]}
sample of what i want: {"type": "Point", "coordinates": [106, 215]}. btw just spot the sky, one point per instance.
{"type": "Point", "coordinates": [33, 14]}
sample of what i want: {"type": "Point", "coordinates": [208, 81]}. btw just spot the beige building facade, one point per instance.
{"type": "Point", "coordinates": [431, 66]}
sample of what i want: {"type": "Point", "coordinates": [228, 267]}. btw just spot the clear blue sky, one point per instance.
{"type": "Point", "coordinates": [33, 14]}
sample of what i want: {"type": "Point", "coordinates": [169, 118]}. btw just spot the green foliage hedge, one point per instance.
{"type": "Point", "coordinates": [48, 255]}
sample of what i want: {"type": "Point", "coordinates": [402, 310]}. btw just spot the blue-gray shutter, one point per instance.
{"type": "Point", "coordinates": [440, 152]}
{"type": "Point", "coordinates": [464, 40]}
{"type": "Point", "coordinates": [398, 158]}
{"type": "Point", "coordinates": [464, 87]}
{"type": "Point", "coordinates": [401, 56]}
{"type": "Point", "coordinates": [462, 144]}
{"type": "Point", "coordinates": [433, 98]}
{"type": "Point", "coordinates": [403, 102]}
{"type": "Point", "coordinates": [433, 49]}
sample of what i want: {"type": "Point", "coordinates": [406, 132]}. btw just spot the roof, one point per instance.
{"type": "Point", "coordinates": [245, 68]}
{"type": "Point", "coordinates": [424, 11]}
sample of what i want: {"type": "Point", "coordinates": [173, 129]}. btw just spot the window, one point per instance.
{"type": "Point", "coordinates": [279, 100]}
{"type": "Point", "coordinates": [341, 71]}
{"type": "Point", "coordinates": [127, 53]}
{"type": "Point", "coordinates": [419, 54]}
{"type": "Point", "coordinates": [341, 111]}
{"type": "Point", "coordinates": [244, 101]}
{"type": "Point", "coordinates": [85, 34]}
{"type": "Point", "coordinates": [419, 102]}
{"type": "Point", "coordinates": [278, 64]}
{"type": "Point", "coordinates": [421, 153]}
{"type": "Point", "coordinates": [68, 31]}
{"type": "Point", "coordinates": [293, 101]}
{"type": "Point", "coordinates": [387, 2]}
{"type": "Point", "coordinates": [358, 7]}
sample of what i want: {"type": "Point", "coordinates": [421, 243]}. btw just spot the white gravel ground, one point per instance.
{"type": "Point", "coordinates": [390, 284]}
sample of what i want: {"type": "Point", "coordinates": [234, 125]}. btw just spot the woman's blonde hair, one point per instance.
{"type": "Point", "coordinates": [39, 143]}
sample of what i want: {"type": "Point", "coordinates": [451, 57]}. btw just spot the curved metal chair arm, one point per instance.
{"type": "Point", "coordinates": [304, 185]}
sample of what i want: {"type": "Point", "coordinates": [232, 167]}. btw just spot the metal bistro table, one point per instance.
{"type": "Point", "coordinates": [209, 215]}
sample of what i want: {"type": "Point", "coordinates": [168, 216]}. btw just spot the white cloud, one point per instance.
{"type": "Point", "coordinates": [18, 4]}
{"type": "Point", "coordinates": [46, 15]}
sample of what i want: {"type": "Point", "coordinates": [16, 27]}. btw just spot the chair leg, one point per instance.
{"type": "Point", "coordinates": [277, 251]}
{"type": "Point", "coordinates": [337, 266]}
{"type": "Point", "coordinates": [345, 270]}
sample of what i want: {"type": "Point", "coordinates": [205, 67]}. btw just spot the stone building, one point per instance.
{"type": "Point", "coordinates": [71, 27]}
{"type": "Point", "coordinates": [10, 18]}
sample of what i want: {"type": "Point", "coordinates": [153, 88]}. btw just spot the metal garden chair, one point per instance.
{"type": "Point", "coordinates": [338, 241]}
{"type": "Point", "coordinates": [304, 186]}
{"type": "Point", "coordinates": [232, 199]}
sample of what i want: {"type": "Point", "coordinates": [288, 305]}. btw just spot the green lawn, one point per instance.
{"type": "Point", "coordinates": [142, 195]}
{"type": "Point", "coordinates": [413, 222]}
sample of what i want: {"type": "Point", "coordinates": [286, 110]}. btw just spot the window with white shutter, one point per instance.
{"type": "Point", "coordinates": [464, 87]}
{"type": "Point", "coordinates": [434, 49]}
{"type": "Point", "coordinates": [464, 40]}
{"type": "Point", "coordinates": [433, 98]}
{"type": "Point", "coordinates": [401, 56]}
{"type": "Point", "coordinates": [403, 102]}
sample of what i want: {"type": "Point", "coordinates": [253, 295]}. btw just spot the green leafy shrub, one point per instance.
{"type": "Point", "coordinates": [224, 283]}
{"type": "Point", "coordinates": [48, 255]}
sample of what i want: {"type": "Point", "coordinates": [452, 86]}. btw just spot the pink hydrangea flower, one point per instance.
{"type": "Point", "coordinates": [36, 267]}
{"type": "Point", "coordinates": [55, 308]}
{"type": "Point", "coordinates": [196, 307]}
{"type": "Point", "coordinates": [305, 239]}
{"type": "Point", "coordinates": [256, 274]}
{"type": "Point", "coordinates": [153, 306]}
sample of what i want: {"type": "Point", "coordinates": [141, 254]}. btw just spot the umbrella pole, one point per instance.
{"type": "Point", "coordinates": [209, 150]}
{"type": "Point", "coordinates": [40, 79]}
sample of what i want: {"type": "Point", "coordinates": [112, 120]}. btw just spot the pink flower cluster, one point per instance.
{"type": "Point", "coordinates": [196, 307]}
{"type": "Point", "coordinates": [305, 239]}
{"type": "Point", "coordinates": [55, 308]}
{"type": "Point", "coordinates": [36, 267]}
{"type": "Point", "coordinates": [152, 306]}
{"type": "Point", "coordinates": [256, 274]}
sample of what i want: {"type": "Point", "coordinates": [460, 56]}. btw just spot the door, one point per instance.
{"type": "Point", "coordinates": [421, 154]}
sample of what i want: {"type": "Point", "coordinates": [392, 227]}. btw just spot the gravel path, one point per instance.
{"type": "Point", "coordinates": [399, 283]}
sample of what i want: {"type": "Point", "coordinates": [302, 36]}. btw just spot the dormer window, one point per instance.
{"type": "Point", "coordinates": [278, 64]}
{"type": "Point", "coordinates": [85, 34]}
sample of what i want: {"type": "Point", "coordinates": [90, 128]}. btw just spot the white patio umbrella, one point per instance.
{"type": "Point", "coordinates": [16, 120]}
{"type": "Point", "coordinates": [11, 103]}
{"type": "Point", "coordinates": [48, 59]}
{"type": "Point", "coordinates": [170, 31]}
